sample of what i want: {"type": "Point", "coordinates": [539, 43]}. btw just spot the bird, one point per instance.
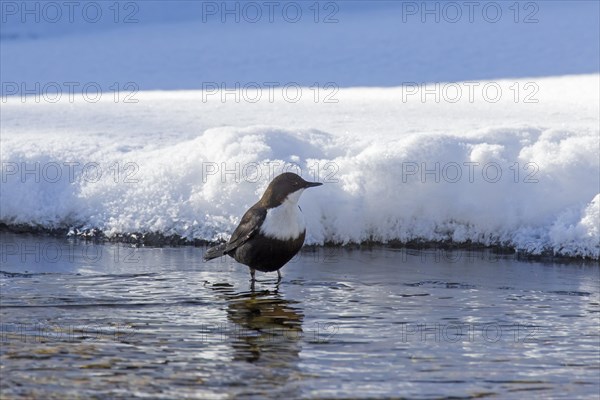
{"type": "Point", "coordinates": [272, 231]}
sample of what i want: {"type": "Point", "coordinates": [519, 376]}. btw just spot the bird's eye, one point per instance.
{"type": "Point", "coordinates": [295, 183]}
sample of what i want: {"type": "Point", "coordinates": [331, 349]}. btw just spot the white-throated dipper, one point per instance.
{"type": "Point", "coordinates": [272, 231]}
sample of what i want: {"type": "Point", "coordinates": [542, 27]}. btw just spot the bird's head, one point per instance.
{"type": "Point", "coordinates": [287, 186]}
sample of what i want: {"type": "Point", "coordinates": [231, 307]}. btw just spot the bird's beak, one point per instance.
{"type": "Point", "coordinates": [312, 184]}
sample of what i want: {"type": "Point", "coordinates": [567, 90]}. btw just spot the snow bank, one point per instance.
{"type": "Point", "coordinates": [523, 175]}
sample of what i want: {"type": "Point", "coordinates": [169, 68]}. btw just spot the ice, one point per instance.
{"type": "Point", "coordinates": [505, 173]}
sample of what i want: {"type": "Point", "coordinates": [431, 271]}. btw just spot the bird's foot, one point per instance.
{"type": "Point", "coordinates": [252, 278]}
{"type": "Point", "coordinates": [278, 276]}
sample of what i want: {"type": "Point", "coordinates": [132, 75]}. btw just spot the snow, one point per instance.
{"type": "Point", "coordinates": [174, 45]}
{"type": "Point", "coordinates": [183, 175]}
{"type": "Point", "coordinates": [513, 160]}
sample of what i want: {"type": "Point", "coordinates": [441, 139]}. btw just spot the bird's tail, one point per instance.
{"type": "Point", "coordinates": [215, 252]}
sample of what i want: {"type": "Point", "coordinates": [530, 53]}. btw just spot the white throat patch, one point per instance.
{"type": "Point", "coordinates": [285, 222]}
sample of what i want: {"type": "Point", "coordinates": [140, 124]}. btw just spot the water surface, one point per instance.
{"type": "Point", "coordinates": [113, 321]}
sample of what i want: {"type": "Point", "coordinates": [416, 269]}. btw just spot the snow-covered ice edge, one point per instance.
{"type": "Point", "coordinates": [396, 168]}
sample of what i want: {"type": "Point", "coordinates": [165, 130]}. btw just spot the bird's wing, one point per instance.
{"type": "Point", "coordinates": [249, 225]}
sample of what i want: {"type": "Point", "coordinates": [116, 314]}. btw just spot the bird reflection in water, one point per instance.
{"type": "Point", "coordinates": [269, 326]}
{"type": "Point", "coordinates": [266, 331]}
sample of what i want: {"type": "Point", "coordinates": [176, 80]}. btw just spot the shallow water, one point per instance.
{"type": "Point", "coordinates": [112, 321]}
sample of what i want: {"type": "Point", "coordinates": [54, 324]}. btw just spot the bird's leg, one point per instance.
{"type": "Point", "coordinates": [252, 272]}
{"type": "Point", "coordinates": [278, 276]}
